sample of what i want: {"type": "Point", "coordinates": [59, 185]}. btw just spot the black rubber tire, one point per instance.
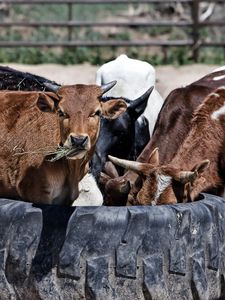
{"type": "Point", "coordinates": [164, 252]}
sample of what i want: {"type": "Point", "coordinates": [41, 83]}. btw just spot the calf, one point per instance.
{"type": "Point", "coordinates": [48, 139]}
{"type": "Point", "coordinates": [120, 191]}
{"type": "Point", "coordinates": [185, 176]}
{"type": "Point", "coordinates": [173, 125]}
{"type": "Point", "coordinates": [11, 79]}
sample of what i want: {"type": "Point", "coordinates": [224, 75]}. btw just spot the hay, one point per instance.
{"type": "Point", "coordinates": [58, 153]}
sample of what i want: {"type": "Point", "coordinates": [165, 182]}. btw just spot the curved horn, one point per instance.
{"type": "Point", "coordinates": [146, 94]}
{"type": "Point", "coordinates": [106, 87]}
{"type": "Point", "coordinates": [137, 106]}
{"type": "Point", "coordinates": [127, 164]}
{"type": "Point", "coordinates": [52, 87]}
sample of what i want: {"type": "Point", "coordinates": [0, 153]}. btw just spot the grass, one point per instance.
{"type": "Point", "coordinates": [55, 154]}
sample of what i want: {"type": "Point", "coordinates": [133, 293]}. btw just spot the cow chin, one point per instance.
{"type": "Point", "coordinates": [78, 155]}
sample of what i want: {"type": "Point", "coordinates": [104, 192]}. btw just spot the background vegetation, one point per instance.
{"type": "Point", "coordinates": [108, 12]}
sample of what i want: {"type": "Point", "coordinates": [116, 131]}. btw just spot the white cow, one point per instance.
{"type": "Point", "coordinates": [89, 193]}
{"type": "Point", "coordinates": [133, 78]}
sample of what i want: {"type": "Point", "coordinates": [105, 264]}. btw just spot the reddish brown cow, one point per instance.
{"type": "Point", "coordinates": [47, 140]}
{"type": "Point", "coordinates": [172, 126]}
{"type": "Point", "coordinates": [185, 177]}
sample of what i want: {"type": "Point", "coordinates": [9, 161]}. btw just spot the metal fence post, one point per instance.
{"type": "Point", "coordinates": [195, 29]}
{"type": "Point", "coordinates": [70, 18]}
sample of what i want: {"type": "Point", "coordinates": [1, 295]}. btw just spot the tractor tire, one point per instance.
{"type": "Point", "coordinates": [173, 252]}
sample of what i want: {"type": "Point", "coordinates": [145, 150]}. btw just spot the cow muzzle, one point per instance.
{"type": "Point", "coordinates": [79, 141]}
{"type": "Point", "coordinates": [78, 146]}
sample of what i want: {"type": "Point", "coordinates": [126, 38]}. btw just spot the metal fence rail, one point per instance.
{"type": "Point", "coordinates": [103, 1]}
{"type": "Point", "coordinates": [194, 42]}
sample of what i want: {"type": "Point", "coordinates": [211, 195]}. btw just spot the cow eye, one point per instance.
{"type": "Point", "coordinates": [96, 113]}
{"type": "Point", "coordinates": [62, 114]}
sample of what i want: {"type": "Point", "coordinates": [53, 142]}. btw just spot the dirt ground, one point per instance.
{"type": "Point", "coordinates": [167, 77]}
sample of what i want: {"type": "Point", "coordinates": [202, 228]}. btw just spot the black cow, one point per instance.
{"type": "Point", "coordinates": [11, 79]}
{"type": "Point", "coordinates": [117, 137]}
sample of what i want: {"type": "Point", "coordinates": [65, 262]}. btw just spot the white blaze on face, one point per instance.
{"type": "Point", "coordinates": [216, 114]}
{"type": "Point", "coordinates": [163, 181]}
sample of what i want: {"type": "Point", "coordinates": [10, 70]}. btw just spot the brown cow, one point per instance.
{"type": "Point", "coordinates": [185, 176]}
{"type": "Point", "coordinates": [172, 126]}
{"type": "Point", "coordinates": [47, 140]}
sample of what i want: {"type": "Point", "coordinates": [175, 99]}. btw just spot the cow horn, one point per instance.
{"type": "Point", "coordinates": [127, 164]}
{"type": "Point", "coordinates": [106, 87]}
{"type": "Point", "coordinates": [146, 94]}
{"type": "Point", "coordinates": [52, 87]}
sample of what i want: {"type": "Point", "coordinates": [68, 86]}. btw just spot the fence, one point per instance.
{"type": "Point", "coordinates": [195, 24]}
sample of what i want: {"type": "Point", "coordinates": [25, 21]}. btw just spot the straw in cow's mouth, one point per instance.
{"type": "Point", "coordinates": [64, 152]}
{"type": "Point", "coordinates": [58, 153]}
{"type": "Point", "coordinates": [45, 151]}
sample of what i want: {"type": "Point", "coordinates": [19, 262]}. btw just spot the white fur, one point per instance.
{"type": "Point", "coordinates": [133, 78]}
{"type": "Point", "coordinates": [163, 181]}
{"type": "Point", "coordinates": [89, 193]}
{"type": "Point", "coordinates": [218, 77]}
{"type": "Point", "coordinates": [216, 114]}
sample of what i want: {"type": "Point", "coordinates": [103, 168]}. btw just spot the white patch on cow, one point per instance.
{"type": "Point", "coordinates": [218, 77]}
{"type": "Point", "coordinates": [163, 182]}
{"type": "Point", "coordinates": [215, 95]}
{"type": "Point", "coordinates": [222, 88]}
{"type": "Point", "coordinates": [89, 193]}
{"type": "Point", "coordinates": [216, 114]}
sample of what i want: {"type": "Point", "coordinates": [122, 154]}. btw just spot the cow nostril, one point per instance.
{"type": "Point", "coordinates": [85, 140]}
{"type": "Point", "coordinates": [78, 141]}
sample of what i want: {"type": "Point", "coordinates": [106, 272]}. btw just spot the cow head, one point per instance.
{"type": "Point", "coordinates": [117, 136]}
{"type": "Point", "coordinates": [162, 184]}
{"type": "Point", "coordinates": [114, 194]}
{"type": "Point", "coordinates": [79, 109]}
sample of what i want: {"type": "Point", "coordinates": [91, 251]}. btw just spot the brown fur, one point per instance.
{"type": "Point", "coordinates": [109, 178]}
{"type": "Point", "coordinates": [173, 124]}
{"type": "Point", "coordinates": [30, 125]}
{"type": "Point", "coordinates": [204, 141]}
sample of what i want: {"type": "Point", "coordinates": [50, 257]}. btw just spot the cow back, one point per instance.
{"type": "Point", "coordinates": [27, 136]}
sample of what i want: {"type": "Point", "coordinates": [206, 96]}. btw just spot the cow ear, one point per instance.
{"type": "Point", "coordinates": [112, 109]}
{"type": "Point", "coordinates": [191, 176]}
{"type": "Point", "coordinates": [110, 169]}
{"type": "Point", "coordinates": [104, 178]}
{"type": "Point", "coordinates": [200, 168]}
{"type": "Point", "coordinates": [46, 103]}
{"type": "Point", "coordinates": [154, 157]}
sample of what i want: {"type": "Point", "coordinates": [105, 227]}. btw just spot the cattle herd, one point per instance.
{"type": "Point", "coordinates": [116, 142]}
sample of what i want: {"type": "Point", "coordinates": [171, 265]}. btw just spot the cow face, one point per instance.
{"type": "Point", "coordinates": [163, 184]}
{"type": "Point", "coordinates": [115, 193]}
{"type": "Point", "coordinates": [79, 109]}
{"type": "Point", "coordinates": [117, 137]}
